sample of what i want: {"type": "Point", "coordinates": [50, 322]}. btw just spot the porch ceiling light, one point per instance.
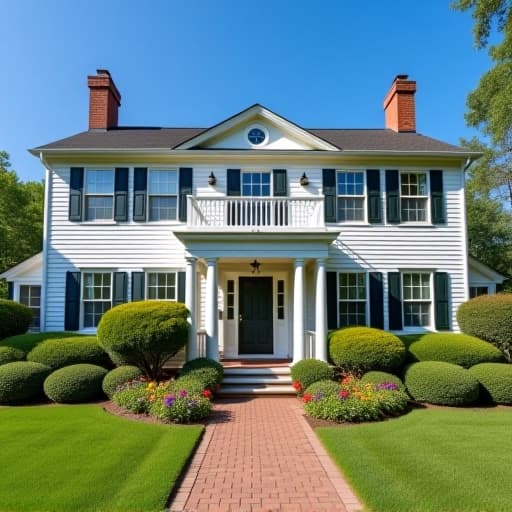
{"type": "Point", "coordinates": [212, 179]}
{"type": "Point", "coordinates": [255, 266]}
{"type": "Point", "coordinates": [304, 180]}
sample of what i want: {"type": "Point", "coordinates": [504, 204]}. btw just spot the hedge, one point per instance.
{"type": "Point", "coordinates": [27, 342]}
{"type": "Point", "coordinates": [117, 377]}
{"type": "Point", "coordinates": [495, 381]}
{"type": "Point", "coordinates": [10, 354]}
{"type": "Point", "coordinates": [203, 362]}
{"type": "Point", "coordinates": [22, 381]}
{"type": "Point", "coordinates": [489, 317]}
{"type": "Point", "coordinates": [75, 383]}
{"type": "Point", "coordinates": [437, 382]}
{"type": "Point", "coordinates": [308, 371]}
{"type": "Point", "coordinates": [460, 349]}
{"type": "Point", "coordinates": [361, 349]}
{"type": "Point", "coordinates": [15, 318]}
{"type": "Point", "coordinates": [57, 353]}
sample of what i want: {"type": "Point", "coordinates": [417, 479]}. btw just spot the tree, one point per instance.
{"type": "Point", "coordinates": [21, 218]}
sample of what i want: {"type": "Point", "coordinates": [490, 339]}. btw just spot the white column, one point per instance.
{"type": "Point", "coordinates": [190, 302]}
{"type": "Point", "coordinates": [211, 321]}
{"type": "Point", "coordinates": [298, 311]}
{"type": "Point", "coordinates": [320, 312]}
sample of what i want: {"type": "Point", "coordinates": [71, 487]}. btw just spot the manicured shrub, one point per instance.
{"type": "Point", "coordinates": [117, 377]}
{"type": "Point", "coordinates": [15, 318]}
{"type": "Point", "coordinates": [361, 349]}
{"type": "Point", "coordinates": [57, 353]}
{"type": "Point", "coordinates": [75, 383]}
{"type": "Point", "coordinates": [145, 334]}
{"type": "Point", "coordinates": [27, 342]}
{"type": "Point", "coordinates": [10, 354]}
{"type": "Point", "coordinates": [22, 381]}
{"type": "Point", "coordinates": [307, 371]}
{"type": "Point", "coordinates": [325, 387]}
{"type": "Point", "coordinates": [495, 381]}
{"type": "Point", "coordinates": [489, 317]}
{"type": "Point", "coordinates": [133, 396]}
{"type": "Point", "coordinates": [454, 348]}
{"type": "Point", "coordinates": [190, 383]}
{"type": "Point", "coordinates": [375, 377]}
{"type": "Point", "coordinates": [208, 376]}
{"type": "Point", "coordinates": [437, 382]}
{"type": "Point", "coordinates": [181, 407]}
{"type": "Point", "coordinates": [203, 362]}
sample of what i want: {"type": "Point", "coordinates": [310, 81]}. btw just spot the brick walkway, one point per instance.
{"type": "Point", "coordinates": [259, 454]}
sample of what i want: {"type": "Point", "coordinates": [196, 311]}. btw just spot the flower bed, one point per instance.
{"type": "Point", "coordinates": [357, 401]}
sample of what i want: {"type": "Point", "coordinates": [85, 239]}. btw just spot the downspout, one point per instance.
{"type": "Point", "coordinates": [46, 224]}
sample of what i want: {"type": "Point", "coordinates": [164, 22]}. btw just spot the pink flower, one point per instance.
{"type": "Point", "coordinates": [182, 393]}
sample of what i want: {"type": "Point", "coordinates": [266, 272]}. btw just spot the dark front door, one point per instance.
{"type": "Point", "coordinates": [255, 332]}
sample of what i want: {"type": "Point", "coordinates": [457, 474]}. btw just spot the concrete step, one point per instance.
{"type": "Point", "coordinates": [280, 370]}
{"type": "Point", "coordinates": [257, 379]}
{"type": "Point", "coordinates": [256, 389]}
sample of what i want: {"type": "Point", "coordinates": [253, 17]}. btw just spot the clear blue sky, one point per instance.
{"type": "Point", "coordinates": [194, 63]}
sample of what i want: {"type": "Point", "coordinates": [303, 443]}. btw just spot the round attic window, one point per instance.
{"type": "Point", "coordinates": [256, 136]}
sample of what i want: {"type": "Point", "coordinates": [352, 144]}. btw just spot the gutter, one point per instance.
{"type": "Point", "coordinates": [46, 224]}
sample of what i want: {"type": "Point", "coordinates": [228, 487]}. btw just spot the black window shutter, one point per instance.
{"type": "Point", "coordinates": [140, 185]}
{"type": "Point", "coordinates": [442, 300]}
{"type": "Point", "coordinates": [373, 187]}
{"type": "Point", "coordinates": [376, 300]}
{"type": "Point", "coordinates": [138, 286]}
{"type": "Point", "coordinates": [121, 195]}
{"type": "Point", "coordinates": [329, 189]}
{"type": "Point", "coordinates": [181, 287]}
{"type": "Point", "coordinates": [72, 306]}
{"type": "Point", "coordinates": [393, 197]}
{"type": "Point", "coordinates": [10, 290]}
{"type": "Point", "coordinates": [76, 188]}
{"type": "Point", "coordinates": [185, 190]}
{"type": "Point", "coordinates": [280, 182]}
{"type": "Point", "coordinates": [233, 182]}
{"type": "Point", "coordinates": [332, 300]}
{"type": "Point", "coordinates": [436, 197]}
{"type": "Point", "coordinates": [120, 288]}
{"type": "Point", "coordinates": [395, 301]}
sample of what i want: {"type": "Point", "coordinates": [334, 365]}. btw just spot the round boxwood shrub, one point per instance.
{"type": "Point", "coordinates": [22, 381]}
{"type": "Point", "coordinates": [203, 362]}
{"type": "Point", "coordinates": [460, 349]}
{"type": "Point", "coordinates": [10, 354]}
{"type": "Point", "coordinates": [190, 383]}
{"type": "Point", "coordinates": [145, 334]}
{"type": "Point", "coordinates": [361, 349]}
{"type": "Point", "coordinates": [489, 317]}
{"type": "Point", "coordinates": [307, 371]}
{"type": "Point", "coordinates": [375, 377]}
{"type": "Point", "coordinates": [15, 318]}
{"type": "Point", "coordinates": [495, 381]}
{"type": "Point", "coordinates": [324, 387]}
{"type": "Point", "coordinates": [441, 383]}
{"type": "Point", "coordinates": [209, 376]}
{"type": "Point", "coordinates": [57, 353]}
{"type": "Point", "coordinates": [75, 383]}
{"type": "Point", "coordinates": [117, 377]}
{"type": "Point", "coordinates": [28, 341]}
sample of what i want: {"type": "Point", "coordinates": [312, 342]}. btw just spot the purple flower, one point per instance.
{"type": "Point", "coordinates": [169, 400]}
{"type": "Point", "coordinates": [318, 396]}
{"type": "Point", "coordinates": [182, 393]}
{"type": "Point", "coordinates": [386, 386]}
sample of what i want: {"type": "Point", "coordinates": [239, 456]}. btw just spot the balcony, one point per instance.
{"type": "Point", "coordinates": [249, 212]}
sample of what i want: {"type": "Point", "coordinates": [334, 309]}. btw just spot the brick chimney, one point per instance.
{"type": "Point", "coordinates": [399, 105]}
{"type": "Point", "coordinates": [104, 101]}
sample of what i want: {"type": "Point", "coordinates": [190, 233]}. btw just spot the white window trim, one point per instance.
{"type": "Point", "coordinates": [427, 220]}
{"type": "Point", "coordinates": [431, 301]}
{"type": "Point", "coordinates": [160, 271]}
{"type": "Point", "coordinates": [263, 129]}
{"type": "Point", "coordinates": [367, 300]}
{"type": "Point", "coordinates": [82, 300]}
{"type": "Point", "coordinates": [86, 194]}
{"type": "Point", "coordinates": [364, 196]}
{"type": "Point", "coordinates": [149, 196]}
{"type": "Point", "coordinates": [256, 171]}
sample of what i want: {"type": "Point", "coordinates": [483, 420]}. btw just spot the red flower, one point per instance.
{"type": "Point", "coordinates": [207, 394]}
{"type": "Point", "coordinates": [344, 393]}
{"type": "Point", "coordinates": [347, 380]}
{"type": "Point", "coordinates": [297, 385]}
{"type": "Point", "coordinates": [307, 397]}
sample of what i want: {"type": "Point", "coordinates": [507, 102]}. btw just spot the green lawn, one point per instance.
{"type": "Point", "coordinates": [74, 458]}
{"type": "Point", "coordinates": [435, 460]}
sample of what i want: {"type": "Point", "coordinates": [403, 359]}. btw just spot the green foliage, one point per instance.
{"type": "Point", "coordinates": [208, 375]}
{"type": "Point", "coordinates": [495, 380]}
{"type": "Point", "coordinates": [133, 396]}
{"type": "Point", "coordinates": [437, 382]}
{"type": "Point", "coordinates": [375, 377]}
{"type": "Point", "coordinates": [74, 384]}
{"type": "Point", "coordinates": [489, 317]}
{"type": "Point", "coordinates": [15, 318]}
{"type": "Point", "coordinates": [453, 348]}
{"type": "Point", "coordinates": [145, 334]}
{"type": "Point", "coordinates": [326, 387]}
{"type": "Point", "coordinates": [21, 218]}
{"type": "Point", "coordinates": [203, 362]}
{"type": "Point", "coordinates": [27, 342]}
{"type": "Point", "coordinates": [9, 355]}
{"type": "Point", "coordinates": [181, 407]}
{"type": "Point", "coordinates": [57, 353]}
{"type": "Point", "coordinates": [117, 377]}
{"type": "Point", "coordinates": [308, 371]}
{"type": "Point", "coordinates": [191, 382]}
{"type": "Point", "coordinates": [361, 349]}
{"type": "Point", "coordinates": [22, 381]}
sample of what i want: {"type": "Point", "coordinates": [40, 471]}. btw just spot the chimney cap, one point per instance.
{"type": "Point", "coordinates": [104, 72]}
{"type": "Point", "coordinates": [398, 77]}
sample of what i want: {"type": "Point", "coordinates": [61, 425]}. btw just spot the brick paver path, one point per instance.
{"type": "Point", "coordinates": [259, 454]}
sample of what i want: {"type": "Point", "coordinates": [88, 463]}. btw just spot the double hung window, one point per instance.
{"type": "Point", "coordinates": [163, 194]}
{"type": "Point", "coordinates": [30, 296]}
{"type": "Point", "coordinates": [99, 194]}
{"type": "Point", "coordinates": [417, 299]}
{"type": "Point", "coordinates": [352, 298]}
{"type": "Point", "coordinates": [413, 196]}
{"type": "Point", "coordinates": [96, 296]}
{"type": "Point", "coordinates": [161, 286]}
{"type": "Point", "coordinates": [350, 190]}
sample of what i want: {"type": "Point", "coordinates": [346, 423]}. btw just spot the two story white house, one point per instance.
{"type": "Point", "coordinates": [272, 234]}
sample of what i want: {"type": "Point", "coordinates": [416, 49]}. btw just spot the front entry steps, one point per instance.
{"type": "Point", "coordinates": [243, 381]}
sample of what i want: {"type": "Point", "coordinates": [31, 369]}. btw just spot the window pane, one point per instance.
{"type": "Point", "coordinates": [256, 184]}
{"type": "Point", "coordinates": [352, 313]}
{"type": "Point", "coordinates": [24, 295]}
{"type": "Point", "coordinates": [99, 182]}
{"type": "Point", "coordinates": [98, 207]}
{"type": "Point", "coordinates": [93, 312]}
{"type": "Point", "coordinates": [416, 314]}
{"type": "Point", "coordinates": [414, 210]}
{"type": "Point", "coordinates": [161, 286]}
{"type": "Point", "coordinates": [350, 183]}
{"type": "Point", "coordinates": [163, 182]}
{"type": "Point", "coordinates": [350, 209]}
{"type": "Point", "coordinates": [163, 208]}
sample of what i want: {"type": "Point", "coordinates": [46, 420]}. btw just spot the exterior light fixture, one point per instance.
{"type": "Point", "coordinates": [304, 181]}
{"type": "Point", "coordinates": [255, 267]}
{"type": "Point", "coordinates": [212, 179]}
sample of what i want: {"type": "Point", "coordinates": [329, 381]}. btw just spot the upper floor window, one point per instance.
{"type": "Point", "coordinates": [96, 296]}
{"type": "Point", "coordinates": [256, 184]}
{"type": "Point", "coordinates": [163, 194]}
{"type": "Point", "coordinates": [417, 299]}
{"type": "Point", "coordinates": [350, 195]}
{"type": "Point", "coordinates": [413, 196]}
{"type": "Point", "coordinates": [99, 194]}
{"type": "Point", "coordinates": [161, 286]}
{"type": "Point", "coordinates": [352, 298]}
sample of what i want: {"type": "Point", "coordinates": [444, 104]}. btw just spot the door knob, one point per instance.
{"type": "Point", "coordinates": [240, 318]}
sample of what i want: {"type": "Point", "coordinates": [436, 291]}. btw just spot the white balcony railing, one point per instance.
{"type": "Point", "coordinates": [242, 212]}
